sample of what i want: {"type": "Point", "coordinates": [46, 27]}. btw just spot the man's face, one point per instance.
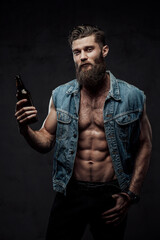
{"type": "Point", "coordinates": [89, 61]}
{"type": "Point", "coordinates": [85, 51]}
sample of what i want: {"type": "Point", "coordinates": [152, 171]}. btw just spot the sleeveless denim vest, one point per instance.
{"type": "Point", "coordinates": [122, 111]}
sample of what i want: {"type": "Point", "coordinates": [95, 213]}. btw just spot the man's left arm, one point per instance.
{"type": "Point", "coordinates": [143, 157]}
{"type": "Point", "coordinates": [124, 199]}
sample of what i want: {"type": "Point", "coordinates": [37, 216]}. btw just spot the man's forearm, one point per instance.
{"type": "Point", "coordinates": [143, 156]}
{"type": "Point", "coordinates": [140, 169]}
{"type": "Point", "coordinates": [39, 140]}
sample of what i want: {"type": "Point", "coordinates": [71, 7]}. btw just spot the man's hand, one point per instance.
{"type": "Point", "coordinates": [43, 139]}
{"type": "Point", "coordinates": [25, 115]}
{"type": "Point", "coordinates": [116, 214]}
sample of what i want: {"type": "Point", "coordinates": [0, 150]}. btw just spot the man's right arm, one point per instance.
{"type": "Point", "coordinates": [43, 139]}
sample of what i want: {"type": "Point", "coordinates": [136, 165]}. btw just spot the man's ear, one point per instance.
{"type": "Point", "coordinates": [105, 50]}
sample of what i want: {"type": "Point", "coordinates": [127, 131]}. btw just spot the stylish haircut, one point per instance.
{"type": "Point", "coordinates": [82, 31]}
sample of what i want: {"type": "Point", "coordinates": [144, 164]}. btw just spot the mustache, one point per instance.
{"type": "Point", "coordinates": [84, 64]}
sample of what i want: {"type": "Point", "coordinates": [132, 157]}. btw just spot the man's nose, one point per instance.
{"type": "Point", "coordinates": [83, 56]}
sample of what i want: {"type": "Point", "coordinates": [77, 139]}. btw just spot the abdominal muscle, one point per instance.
{"type": "Point", "coordinates": [93, 161]}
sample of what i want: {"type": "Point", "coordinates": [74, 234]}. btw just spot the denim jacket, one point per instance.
{"type": "Point", "coordinates": [122, 112]}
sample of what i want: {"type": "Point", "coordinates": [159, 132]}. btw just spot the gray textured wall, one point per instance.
{"type": "Point", "coordinates": [33, 43]}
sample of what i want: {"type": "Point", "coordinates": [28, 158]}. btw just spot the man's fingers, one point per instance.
{"type": "Point", "coordinates": [25, 120]}
{"type": "Point", "coordinates": [110, 211]}
{"type": "Point", "coordinates": [24, 109]}
{"type": "Point", "coordinates": [20, 103]}
{"type": "Point", "coordinates": [26, 114]}
{"type": "Point", "coordinates": [110, 216]}
{"type": "Point", "coordinates": [115, 220]}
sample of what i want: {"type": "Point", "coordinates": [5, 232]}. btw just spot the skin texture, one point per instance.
{"type": "Point", "coordinates": [93, 161]}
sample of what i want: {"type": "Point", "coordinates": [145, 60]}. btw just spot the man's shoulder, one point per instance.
{"type": "Point", "coordinates": [126, 85]}
{"type": "Point", "coordinates": [129, 88]}
{"type": "Point", "coordinates": [60, 93]}
{"type": "Point", "coordinates": [130, 92]}
{"type": "Point", "coordinates": [123, 85]}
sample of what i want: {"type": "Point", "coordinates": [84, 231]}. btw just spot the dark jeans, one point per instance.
{"type": "Point", "coordinates": [83, 204]}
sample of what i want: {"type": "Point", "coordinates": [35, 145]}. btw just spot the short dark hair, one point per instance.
{"type": "Point", "coordinates": [82, 31]}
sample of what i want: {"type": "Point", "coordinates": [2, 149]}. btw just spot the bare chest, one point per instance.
{"type": "Point", "coordinates": [91, 112]}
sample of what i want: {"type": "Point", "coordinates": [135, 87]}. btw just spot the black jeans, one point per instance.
{"type": "Point", "coordinates": [83, 204]}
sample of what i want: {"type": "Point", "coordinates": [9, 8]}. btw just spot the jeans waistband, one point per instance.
{"type": "Point", "coordinates": [93, 186]}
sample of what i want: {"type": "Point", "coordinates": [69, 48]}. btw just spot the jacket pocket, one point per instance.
{"type": "Point", "coordinates": [126, 123]}
{"type": "Point", "coordinates": [63, 121]}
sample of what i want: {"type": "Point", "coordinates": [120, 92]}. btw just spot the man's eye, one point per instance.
{"type": "Point", "coordinates": [76, 53]}
{"type": "Point", "coordinates": [89, 49]}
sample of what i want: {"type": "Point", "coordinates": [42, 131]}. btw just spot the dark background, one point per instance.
{"type": "Point", "coordinates": [33, 43]}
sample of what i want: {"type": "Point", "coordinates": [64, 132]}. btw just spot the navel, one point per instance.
{"type": "Point", "coordinates": [90, 162]}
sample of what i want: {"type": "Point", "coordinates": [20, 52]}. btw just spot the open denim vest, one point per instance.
{"type": "Point", "coordinates": [122, 112]}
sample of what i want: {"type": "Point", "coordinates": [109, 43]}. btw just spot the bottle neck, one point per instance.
{"type": "Point", "coordinates": [19, 84]}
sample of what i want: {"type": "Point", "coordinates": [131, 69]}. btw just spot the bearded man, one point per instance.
{"type": "Point", "coordinates": [101, 136]}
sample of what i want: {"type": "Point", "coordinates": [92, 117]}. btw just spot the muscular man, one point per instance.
{"type": "Point", "coordinates": [101, 136]}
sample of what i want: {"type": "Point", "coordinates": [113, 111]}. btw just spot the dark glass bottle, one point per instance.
{"type": "Point", "coordinates": [23, 93]}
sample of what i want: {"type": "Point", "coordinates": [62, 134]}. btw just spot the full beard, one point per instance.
{"type": "Point", "coordinates": [93, 78]}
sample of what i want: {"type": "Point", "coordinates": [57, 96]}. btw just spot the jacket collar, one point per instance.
{"type": "Point", "coordinates": [114, 91]}
{"type": "Point", "coordinates": [74, 88]}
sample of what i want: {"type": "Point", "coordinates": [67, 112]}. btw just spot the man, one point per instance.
{"type": "Point", "coordinates": [101, 136]}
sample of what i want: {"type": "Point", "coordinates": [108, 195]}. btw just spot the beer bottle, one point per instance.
{"type": "Point", "coordinates": [23, 93]}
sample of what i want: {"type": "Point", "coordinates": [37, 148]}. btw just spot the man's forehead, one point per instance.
{"type": "Point", "coordinates": [82, 42]}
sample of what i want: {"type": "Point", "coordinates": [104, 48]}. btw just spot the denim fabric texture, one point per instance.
{"type": "Point", "coordinates": [122, 112]}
